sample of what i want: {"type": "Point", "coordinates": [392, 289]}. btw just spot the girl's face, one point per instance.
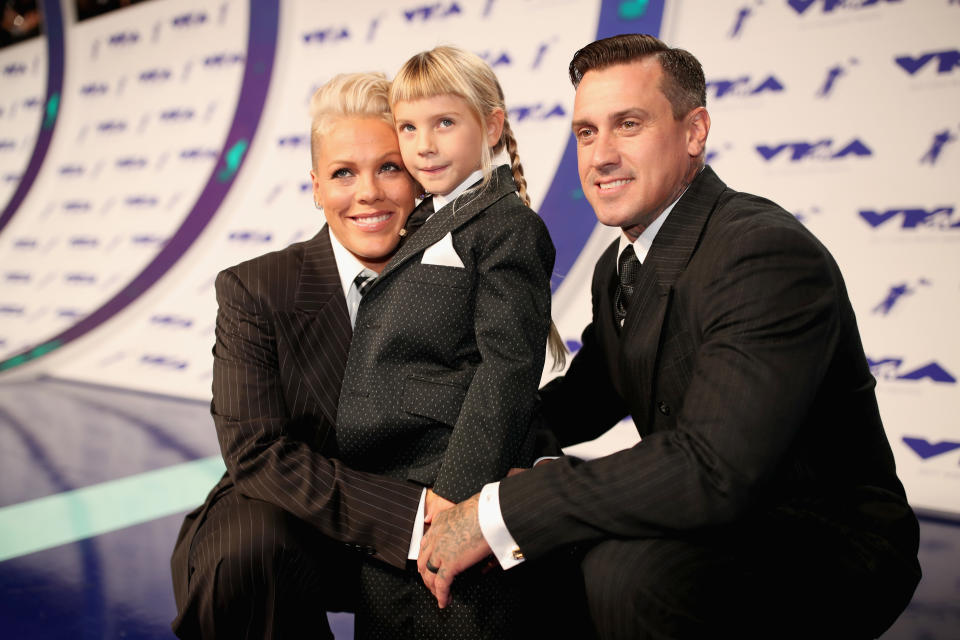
{"type": "Point", "coordinates": [442, 141]}
{"type": "Point", "coordinates": [365, 192]}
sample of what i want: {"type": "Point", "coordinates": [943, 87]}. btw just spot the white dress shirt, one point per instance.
{"type": "Point", "coordinates": [349, 268]}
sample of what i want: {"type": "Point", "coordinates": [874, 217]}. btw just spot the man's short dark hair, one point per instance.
{"type": "Point", "coordinates": [683, 82]}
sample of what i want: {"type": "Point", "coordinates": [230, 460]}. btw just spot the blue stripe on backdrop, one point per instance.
{"type": "Point", "coordinates": [53, 32]}
{"type": "Point", "coordinates": [66, 517]}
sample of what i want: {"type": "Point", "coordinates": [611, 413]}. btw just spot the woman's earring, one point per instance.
{"type": "Point", "coordinates": [317, 204]}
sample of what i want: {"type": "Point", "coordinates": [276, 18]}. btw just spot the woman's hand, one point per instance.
{"type": "Point", "coordinates": [434, 505]}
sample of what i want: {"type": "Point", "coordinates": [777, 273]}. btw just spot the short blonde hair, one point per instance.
{"type": "Point", "coordinates": [347, 95]}
{"type": "Point", "coordinates": [446, 70]}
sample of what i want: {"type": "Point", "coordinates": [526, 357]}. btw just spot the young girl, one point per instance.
{"type": "Point", "coordinates": [448, 347]}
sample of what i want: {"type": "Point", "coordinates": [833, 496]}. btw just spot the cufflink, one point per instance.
{"type": "Point", "coordinates": [517, 554]}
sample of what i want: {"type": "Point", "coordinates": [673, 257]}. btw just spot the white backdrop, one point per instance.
{"type": "Point", "coordinates": [844, 112]}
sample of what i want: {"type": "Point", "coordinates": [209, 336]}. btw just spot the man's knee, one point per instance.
{"type": "Point", "coordinates": [657, 588]}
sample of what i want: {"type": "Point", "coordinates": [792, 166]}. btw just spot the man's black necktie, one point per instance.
{"type": "Point", "coordinates": [628, 267]}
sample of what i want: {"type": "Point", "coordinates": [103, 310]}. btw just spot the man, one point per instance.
{"type": "Point", "coordinates": [762, 498]}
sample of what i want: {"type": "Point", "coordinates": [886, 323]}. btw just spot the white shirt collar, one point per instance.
{"type": "Point", "coordinates": [643, 243]}
{"type": "Point", "coordinates": [347, 264]}
{"type": "Point", "coordinates": [440, 200]}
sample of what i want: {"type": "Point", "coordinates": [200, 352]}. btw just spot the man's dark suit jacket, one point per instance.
{"type": "Point", "coordinates": [282, 338]}
{"type": "Point", "coordinates": [441, 381]}
{"type": "Point", "coordinates": [741, 364]}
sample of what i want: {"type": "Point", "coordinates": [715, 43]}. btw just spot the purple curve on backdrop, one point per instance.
{"type": "Point", "coordinates": [566, 212]}
{"type": "Point", "coordinates": [53, 31]}
{"type": "Point", "coordinates": [261, 49]}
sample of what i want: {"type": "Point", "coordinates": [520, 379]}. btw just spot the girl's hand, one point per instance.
{"type": "Point", "coordinates": [434, 505]}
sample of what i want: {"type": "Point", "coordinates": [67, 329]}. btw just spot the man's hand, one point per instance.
{"type": "Point", "coordinates": [453, 544]}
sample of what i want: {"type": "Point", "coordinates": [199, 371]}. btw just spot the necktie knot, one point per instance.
{"type": "Point", "coordinates": [419, 215]}
{"type": "Point", "coordinates": [628, 267]}
{"type": "Point", "coordinates": [363, 280]}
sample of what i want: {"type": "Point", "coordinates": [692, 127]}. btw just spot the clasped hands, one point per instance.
{"type": "Point", "coordinates": [452, 542]}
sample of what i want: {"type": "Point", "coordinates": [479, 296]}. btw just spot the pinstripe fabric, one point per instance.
{"type": "Point", "coordinates": [741, 364]}
{"type": "Point", "coordinates": [282, 338]}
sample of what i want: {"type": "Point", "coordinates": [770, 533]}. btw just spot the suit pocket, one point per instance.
{"type": "Point", "coordinates": [438, 400]}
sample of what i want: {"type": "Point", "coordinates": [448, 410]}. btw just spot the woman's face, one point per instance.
{"type": "Point", "coordinates": [363, 187]}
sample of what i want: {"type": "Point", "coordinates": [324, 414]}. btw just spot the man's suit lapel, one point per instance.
{"type": "Point", "coordinates": [321, 324]}
{"type": "Point", "coordinates": [668, 257]}
{"type": "Point", "coordinates": [449, 218]}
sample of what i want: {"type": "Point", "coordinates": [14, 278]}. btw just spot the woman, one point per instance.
{"type": "Point", "coordinates": [281, 538]}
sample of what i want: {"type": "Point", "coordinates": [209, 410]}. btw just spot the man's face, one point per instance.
{"type": "Point", "coordinates": [634, 158]}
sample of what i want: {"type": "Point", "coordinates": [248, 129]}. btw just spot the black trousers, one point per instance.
{"type": "Point", "coordinates": [787, 576]}
{"type": "Point", "coordinates": [257, 572]}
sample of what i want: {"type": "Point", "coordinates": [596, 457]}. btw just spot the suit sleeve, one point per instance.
{"type": "Point", "coordinates": [768, 309]}
{"type": "Point", "coordinates": [371, 513]}
{"type": "Point", "coordinates": [512, 319]}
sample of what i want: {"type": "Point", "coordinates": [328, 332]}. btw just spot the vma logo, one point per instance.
{"type": "Point", "coordinates": [169, 320]}
{"type": "Point", "coordinates": [146, 240]}
{"type": "Point", "coordinates": [176, 115]}
{"type": "Point", "coordinates": [330, 34]}
{"type": "Point", "coordinates": [163, 362]}
{"type": "Point", "coordinates": [84, 242]}
{"type": "Point", "coordinates": [433, 11]}
{"type": "Point", "coordinates": [189, 20]}
{"type": "Point", "coordinates": [155, 75]}
{"type": "Point", "coordinates": [15, 69]}
{"type": "Point", "coordinates": [123, 38]}
{"type": "Point", "coordinates": [294, 141]}
{"type": "Point", "coordinates": [257, 237]}
{"type": "Point", "coordinates": [130, 162]}
{"type": "Point", "coordinates": [536, 112]}
{"type": "Point", "coordinates": [94, 89]}
{"type": "Point", "coordinates": [926, 449]}
{"type": "Point", "coordinates": [946, 61]}
{"type": "Point", "coordinates": [198, 154]}
{"type": "Point", "coordinates": [829, 6]}
{"type": "Point", "coordinates": [826, 149]}
{"type": "Point", "coordinates": [893, 369]}
{"type": "Point", "coordinates": [744, 86]}
{"type": "Point", "coordinates": [941, 218]}
{"type": "Point", "coordinates": [496, 59]}
{"type": "Point", "coordinates": [223, 59]}
{"type": "Point", "coordinates": [112, 126]}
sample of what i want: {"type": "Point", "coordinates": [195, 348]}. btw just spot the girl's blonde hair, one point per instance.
{"type": "Point", "coordinates": [450, 70]}
{"type": "Point", "coordinates": [447, 70]}
{"type": "Point", "coordinates": [356, 95]}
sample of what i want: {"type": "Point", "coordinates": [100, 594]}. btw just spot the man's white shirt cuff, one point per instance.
{"type": "Point", "coordinates": [505, 548]}
{"type": "Point", "coordinates": [417, 536]}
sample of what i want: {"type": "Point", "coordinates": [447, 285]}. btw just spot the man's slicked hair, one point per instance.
{"type": "Point", "coordinates": [683, 82]}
